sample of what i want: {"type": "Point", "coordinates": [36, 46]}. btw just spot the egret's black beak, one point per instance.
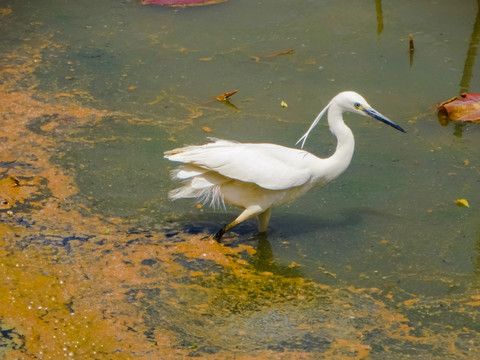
{"type": "Point", "coordinates": [376, 115]}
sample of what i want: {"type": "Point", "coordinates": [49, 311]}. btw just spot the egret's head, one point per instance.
{"type": "Point", "coordinates": [351, 101]}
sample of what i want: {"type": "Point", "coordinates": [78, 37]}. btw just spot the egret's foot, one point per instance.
{"type": "Point", "coordinates": [219, 234]}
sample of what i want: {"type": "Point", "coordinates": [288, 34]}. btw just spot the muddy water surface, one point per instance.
{"type": "Point", "coordinates": [96, 263]}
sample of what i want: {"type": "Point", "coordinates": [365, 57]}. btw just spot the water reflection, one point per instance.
{"type": "Point", "coordinates": [471, 55]}
{"type": "Point", "coordinates": [264, 260]}
{"type": "Point", "coordinates": [468, 66]}
{"type": "Point", "coordinates": [378, 7]}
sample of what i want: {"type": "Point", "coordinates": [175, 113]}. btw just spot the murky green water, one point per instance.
{"type": "Point", "coordinates": [389, 222]}
{"type": "Point", "coordinates": [400, 188]}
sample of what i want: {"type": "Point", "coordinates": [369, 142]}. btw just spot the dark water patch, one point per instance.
{"type": "Point", "coordinates": [48, 240]}
{"type": "Point", "coordinates": [10, 339]}
{"type": "Point", "coordinates": [193, 264]}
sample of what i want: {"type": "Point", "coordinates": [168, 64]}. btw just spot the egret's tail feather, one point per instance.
{"type": "Point", "coordinates": [209, 195]}
{"type": "Point", "coordinates": [199, 184]}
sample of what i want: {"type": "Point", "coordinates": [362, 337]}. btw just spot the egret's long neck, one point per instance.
{"type": "Point", "coordinates": [340, 160]}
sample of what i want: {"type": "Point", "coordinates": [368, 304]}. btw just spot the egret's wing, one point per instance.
{"type": "Point", "coordinates": [269, 166]}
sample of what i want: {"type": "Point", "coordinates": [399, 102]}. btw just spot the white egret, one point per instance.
{"type": "Point", "coordinates": [257, 177]}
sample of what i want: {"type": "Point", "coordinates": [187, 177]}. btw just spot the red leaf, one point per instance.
{"type": "Point", "coordinates": [182, 2]}
{"type": "Point", "coordinates": [463, 108]}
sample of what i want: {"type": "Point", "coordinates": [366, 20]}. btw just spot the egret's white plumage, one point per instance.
{"type": "Point", "coordinates": [257, 177]}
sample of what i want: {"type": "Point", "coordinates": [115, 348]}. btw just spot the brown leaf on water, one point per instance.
{"type": "Point", "coordinates": [465, 107]}
{"type": "Point", "coordinates": [269, 56]}
{"type": "Point", "coordinates": [181, 2]}
{"type": "Point", "coordinates": [225, 96]}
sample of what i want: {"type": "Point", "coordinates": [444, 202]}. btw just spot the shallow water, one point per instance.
{"type": "Point", "coordinates": [379, 261]}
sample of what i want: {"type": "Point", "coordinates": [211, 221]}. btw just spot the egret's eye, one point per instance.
{"type": "Point", "coordinates": [357, 105]}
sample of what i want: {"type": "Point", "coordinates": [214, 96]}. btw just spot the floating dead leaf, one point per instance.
{"type": "Point", "coordinates": [225, 96]}
{"type": "Point", "coordinates": [466, 107]}
{"type": "Point", "coordinates": [283, 104]}
{"type": "Point", "coordinates": [462, 203]}
{"type": "Point", "coordinates": [206, 128]}
{"type": "Point", "coordinates": [270, 56]}
{"type": "Point", "coordinates": [181, 2]}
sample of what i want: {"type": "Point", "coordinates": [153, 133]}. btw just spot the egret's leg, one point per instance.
{"type": "Point", "coordinates": [245, 215]}
{"type": "Point", "coordinates": [263, 220]}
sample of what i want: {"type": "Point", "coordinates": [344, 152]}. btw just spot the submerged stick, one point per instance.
{"type": "Point", "coordinates": [412, 50]}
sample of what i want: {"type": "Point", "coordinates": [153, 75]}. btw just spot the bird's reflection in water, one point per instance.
{"type": "Point", "coordinates": [264, 261]}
